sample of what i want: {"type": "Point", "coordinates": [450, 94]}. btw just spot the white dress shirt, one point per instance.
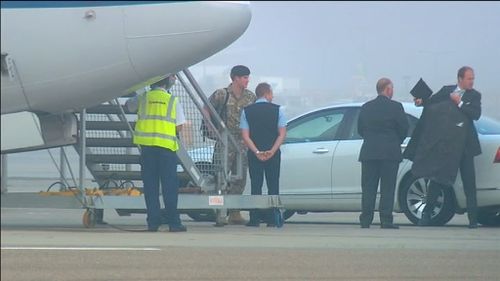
{"type": "Point", "coordinates": [461, 92]}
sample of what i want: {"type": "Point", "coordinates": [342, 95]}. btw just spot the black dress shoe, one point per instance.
{"type": "Point", "coordinates": [389, 226]}
{"type": "Point", "coordinates": [152, 229]}
{"type": "Point", "coordinates": [177, 228]}
{"type": "Point", "coordinates": [365, 226]}
{"type": "Point", "coordinates": [425, 220]}
{"type": "Point", "coordinates": [253, 223]}
{"type": "Point", "coordinates": [271, 224]}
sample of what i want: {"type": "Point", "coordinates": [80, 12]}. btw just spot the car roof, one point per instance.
{"type": "Point", "coordinates": [408, 107]}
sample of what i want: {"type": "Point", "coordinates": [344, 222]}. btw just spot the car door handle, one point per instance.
{"type": "Point", "coordinates": [321, 150]}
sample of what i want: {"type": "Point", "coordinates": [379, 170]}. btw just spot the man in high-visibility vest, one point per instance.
{"type": "Point", "coordinates": [159, 117]}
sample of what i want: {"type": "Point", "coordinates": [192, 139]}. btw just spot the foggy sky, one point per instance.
{"type": "Point", "coordinates": [339, 48]}
{"type": "Point", "coordinates": [336, 49]}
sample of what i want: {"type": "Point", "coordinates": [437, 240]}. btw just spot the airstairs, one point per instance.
{"type": "Point", "coordinates": [114, 161]}
{"type": "Point", "coordinates": [105, 137]}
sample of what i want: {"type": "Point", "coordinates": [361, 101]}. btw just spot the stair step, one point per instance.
{"type": "Point", "coordinates": [113, 158]}
{"type": "Point", "coordinates": [108, 125]}
{"type": "Point", "coordinates": [107, 109]}
{"type": "Point", "coordinates": [109, 142]}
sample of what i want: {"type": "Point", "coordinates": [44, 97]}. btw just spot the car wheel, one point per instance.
{"type": "Point", "coordinates": [489, 217]}
{"type": "Point", "coordinates": [207, 170]}
{"type": "Point", "coordinates": [285, 213]}
{"type": "Point", "coordinates": [288, 214]}
{"type": "Point", "coordinates": [202, 215]}
{"type": "Point", "coordinates": [412, 199]}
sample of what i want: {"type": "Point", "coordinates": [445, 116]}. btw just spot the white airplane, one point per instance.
{"type": "Point", "coordinates": [61, 57]}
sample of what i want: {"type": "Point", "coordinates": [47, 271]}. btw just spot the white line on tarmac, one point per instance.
{"type": "Point", "coordinates": [80, 249]}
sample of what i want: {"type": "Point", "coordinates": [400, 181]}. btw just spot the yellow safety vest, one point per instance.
{"type": "Point", "coordinates": [156, 120]}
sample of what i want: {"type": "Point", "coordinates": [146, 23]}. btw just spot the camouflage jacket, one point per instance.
{"type": "Point", "coordinates": [233, 108]}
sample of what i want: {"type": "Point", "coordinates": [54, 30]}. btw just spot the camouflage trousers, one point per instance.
{"type": "Point", "coordinates": [234, 186]}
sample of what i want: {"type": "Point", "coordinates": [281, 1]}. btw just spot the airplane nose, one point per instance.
{"type": "Point", "coordinates": [164, 38]}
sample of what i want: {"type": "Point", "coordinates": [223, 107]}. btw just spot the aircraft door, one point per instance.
{"type": "Point", "coordinates": [13, 98]}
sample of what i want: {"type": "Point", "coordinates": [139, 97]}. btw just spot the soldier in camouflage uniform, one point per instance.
{"type": "Point", "coordinates": [238, 98]}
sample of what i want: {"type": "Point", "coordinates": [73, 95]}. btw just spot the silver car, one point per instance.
{"type": "Point", "coordinates": [320, 171]}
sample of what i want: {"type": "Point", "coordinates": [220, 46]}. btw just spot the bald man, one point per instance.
{"type": "Point", "coordinates": [383, 125]}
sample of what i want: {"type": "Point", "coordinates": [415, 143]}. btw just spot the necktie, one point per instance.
{"type": "Point", "coordinates": [461, 93]}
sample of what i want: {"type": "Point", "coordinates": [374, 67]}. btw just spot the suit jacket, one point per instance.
{"type": "Point", "coordinates": [383, 125]}
{"type": "Point", "coordinates": [471, 108]}
{"type": "Point", "coordinates": [441, 142]}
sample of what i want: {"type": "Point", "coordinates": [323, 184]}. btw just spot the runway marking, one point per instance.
{"type": "Point", "coordinates": [80, 248]}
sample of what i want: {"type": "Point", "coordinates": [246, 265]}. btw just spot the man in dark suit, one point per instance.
{"type": "Point", "coordinates": [263, 129]}
{"type": "Point", "coordinates": [383, 125]}
{"type": "Point", "coordinates": [468, 101]}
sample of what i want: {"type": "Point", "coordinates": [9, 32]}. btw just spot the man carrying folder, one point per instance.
{"type": "Point", "coordinates": [446, 140]}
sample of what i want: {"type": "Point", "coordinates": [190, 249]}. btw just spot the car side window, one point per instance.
{"type": "Point", "coordinates": [412, 122]}
{"type": "Point", "coordinates": [318, 126]}
{"type": "Point", "coordinates": [353, 131]}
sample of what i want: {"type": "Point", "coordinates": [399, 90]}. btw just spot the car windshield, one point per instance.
{"type": "Point", "coordinates": [487, 126]}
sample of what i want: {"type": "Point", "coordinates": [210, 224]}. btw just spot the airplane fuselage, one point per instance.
{"type": "Point", "coordinates": [65, 56]}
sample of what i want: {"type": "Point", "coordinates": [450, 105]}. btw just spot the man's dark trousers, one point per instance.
{"type": "Point", "coordinates": [257, 169]}
{"type": "Point", "coordinates": [468, 175]}
{"type": "Point", "coordinates": [372, 172]}
{"type": "Point", "coordinates": [160, 165]}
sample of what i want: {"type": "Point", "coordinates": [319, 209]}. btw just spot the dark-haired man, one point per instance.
{"type": "Point", "coordinates": [232, 100]}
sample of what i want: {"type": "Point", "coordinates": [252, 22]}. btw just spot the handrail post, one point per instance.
{"type": "Point", "coordinates": [226, 140]}
{"type": "Point", "coordinates": [83, 152]}
{"type": "Point", "coordinates": [5, 175]}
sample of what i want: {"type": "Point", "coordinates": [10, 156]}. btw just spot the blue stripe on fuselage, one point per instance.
{"type": "Point", "coordinates": [74, 4]}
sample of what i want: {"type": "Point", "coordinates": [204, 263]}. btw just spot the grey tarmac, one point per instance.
{"type": "Point", "coordinates": [49, 244]}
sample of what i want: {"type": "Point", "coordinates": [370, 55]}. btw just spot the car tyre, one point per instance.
{"type": "Point", "coordinates": [489, 217]}
{"type": "Point", "coordinates": [288, 214]}
{"type": "Point", "coordinates": [202, 215]}
{"type": "Point", "coordinates": [412, 196]}
{"type": "Point", "coordinates": [206, 169]}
